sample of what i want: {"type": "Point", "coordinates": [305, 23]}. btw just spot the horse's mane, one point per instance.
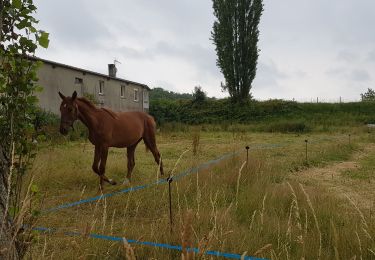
{"type": "Point", "coordinates": [110, 112]}
{"type": "Point", "coordinates": [87, 102]}
{"type": "Point", "coordinates": [92, 106]}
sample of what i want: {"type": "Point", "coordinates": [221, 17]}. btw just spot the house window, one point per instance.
{"type": "Point", "coordinates": [136, 95]}
{"type": "Point", "coordinates": [101, 87]}
{"type": "Point", "coordinates": [78, 81]}
{"type": "Point", "coordinates": [122, 91]}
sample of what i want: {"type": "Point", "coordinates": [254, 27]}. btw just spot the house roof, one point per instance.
{"type": "Point", "coordinates": [57, 64]}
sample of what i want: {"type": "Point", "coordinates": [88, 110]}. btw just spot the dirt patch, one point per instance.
{"type": "Point", "coordinates": [362, 192]}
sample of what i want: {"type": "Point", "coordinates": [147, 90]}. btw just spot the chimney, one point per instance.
{"type": "Point", "coordinates": [112, 70]}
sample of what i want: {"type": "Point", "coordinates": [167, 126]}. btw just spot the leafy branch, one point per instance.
{"type": "Point", "coordinates": [19, 40]}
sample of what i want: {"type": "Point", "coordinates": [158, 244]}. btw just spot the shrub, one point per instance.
{"type": "Point", "coordinates": [287, 127]}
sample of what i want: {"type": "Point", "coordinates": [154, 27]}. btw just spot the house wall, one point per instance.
{"type": "Point", "coordinates": [57, 78]}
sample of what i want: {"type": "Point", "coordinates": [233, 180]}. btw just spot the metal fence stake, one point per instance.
{"type": "Point", "coordinates": [170, 179]}
{"type": "Point", "coordinates": [247, 154]}
{"type": "Point", "coordinates": [306, 141]}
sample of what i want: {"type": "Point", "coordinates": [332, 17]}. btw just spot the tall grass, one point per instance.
{"type": "Point", "coordinates": [258, 208]}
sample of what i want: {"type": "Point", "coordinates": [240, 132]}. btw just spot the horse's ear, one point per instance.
{"type": "Point", "coordinates": [74, 96]}
{"type": "Point", "coordinates": [61, 95]}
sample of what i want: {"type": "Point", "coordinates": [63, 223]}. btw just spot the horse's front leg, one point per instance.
{"type": "Point", "coordinates": [103, 162]}
{"type": "Point", "coordinates": [95, 164]}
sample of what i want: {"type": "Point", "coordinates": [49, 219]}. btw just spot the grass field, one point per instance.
{"type": "Point", "coordinates": [267, 207]}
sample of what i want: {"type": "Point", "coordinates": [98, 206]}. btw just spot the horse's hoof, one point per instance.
{"type": "Point", "coordinates": [112, 182]}
{"type": "Point", "coordinates": [126, 182]}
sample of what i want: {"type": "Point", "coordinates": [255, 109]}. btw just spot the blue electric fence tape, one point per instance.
{"type": "Point", "coordinates": [161, 181]}
{"type": "Point", "coordinates": [175, 177]}
{"type": "Point", "coordinates": [152, 244]}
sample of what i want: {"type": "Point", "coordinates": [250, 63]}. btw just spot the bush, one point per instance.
{"type": "Point", "coordinates": [44, 118]}
{"type": "Point", "coordinates": [223, 112]}
{"type": "Point", "coordinates": [287, 127]}
{"type": "Point", "coordinates": [47, 124]}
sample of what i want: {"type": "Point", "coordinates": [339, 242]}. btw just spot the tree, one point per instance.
{"type": "Point", "coordinates": [199, 96]}
{"type": "Point", "coordinates": [369, 95]}
{"type": "Point", "coordinates": [235, 35]}
{"type": "Point", "coordinates": [159, 94]}
{"type": "Point", "coordinates": [18, 39]}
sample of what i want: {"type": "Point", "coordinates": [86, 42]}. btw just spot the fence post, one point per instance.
{"type": "Point", "coordinates": [170, 179]}
{"type": "Point", "coordinates": [306, 141]}
{"type": "Point", "coordinates": [247, 154]}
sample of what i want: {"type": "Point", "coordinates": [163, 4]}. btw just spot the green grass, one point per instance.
{"type": "Point", "coordinates": [365, 171]}
{"type": "Point", "coordinates": [265, 213]}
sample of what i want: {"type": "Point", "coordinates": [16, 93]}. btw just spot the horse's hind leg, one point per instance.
{"type": "Point", "coordinates": [151, 145]}
{"type": "Point", "coordinates": [131, 162]}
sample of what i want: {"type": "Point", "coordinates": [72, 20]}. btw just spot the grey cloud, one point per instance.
{"type": "Point", "coordinates": [347, 56]}
{"type": "Point", "coordinates": [318, 24]}
{"type": "Point", "coordinates": [349, 74]}
{"type": "Point", "coordinates": [128, 52]}
{"type": "Point", "coordinates": [71, 24]}
{"type": "Point", "coordinates": [336, 72]}
{"type": "Point", "coordinates": [371, 56]}
{"type": "Point", "coordinates": [202, 58]}
{"type": "Point", "coordinates": [360, 75]}
{"type": "Point", "coordinates": [199, 57]}
{"type": "Point", "coordinates": [166, 85]}
{"type": "Point", "coordinates": [268, 75]}
{"type": "Point", "coordinates": [300, 74]}
{"type": "Point", "coordinates": [178, 32]}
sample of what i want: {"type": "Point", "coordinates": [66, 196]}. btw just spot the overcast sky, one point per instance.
{"type": "Point", "coordinates": [309, 48]}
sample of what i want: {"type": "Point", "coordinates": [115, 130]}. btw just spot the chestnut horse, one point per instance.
{"type": "Point", "coordinates": [110, 129]}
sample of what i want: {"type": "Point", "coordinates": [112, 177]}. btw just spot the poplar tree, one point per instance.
{"type": "Point", "coordinates": [235, 35]}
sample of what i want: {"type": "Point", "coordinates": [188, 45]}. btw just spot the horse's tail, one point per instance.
{"type": "Point", "coordinates": [149, 130]}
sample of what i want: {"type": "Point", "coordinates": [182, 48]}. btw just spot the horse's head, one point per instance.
{"type": "Point", "coordinates": [69, 112]}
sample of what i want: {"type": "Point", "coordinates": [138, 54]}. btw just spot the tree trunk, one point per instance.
{"type": "Point", "coordinates": [8, 247]}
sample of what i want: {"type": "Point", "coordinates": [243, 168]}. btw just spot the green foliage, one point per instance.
{"type": "Point", "coordinates": [161, 94]}
{"type": "Point", "coordinates": [44, 118]}
{"type": "Point", "coordinates": [46, 126]}
{"type": "Point", "coordinates": [235, 35]}
{"type": "Point", "coordinates": [269, 116]}
{"type": "Point", "coordinates": [199, 96]}
{"type": "Point", "coordinates": [369, 95]}
{"type": "Point", "coordinates": [91, 97]}
{"type": "Point", "coordinates": [18, 74]}
{"type": "Point", "coordinates": [286, 127]}
{"type": "Point", "coordinates": [219, 111]}
{"type": "Point", "coordinates": [18, 40]}
{"type": "Point", "coordinates": [43, 39]}
{"type": "Point", "coordinates": [34, 188]}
